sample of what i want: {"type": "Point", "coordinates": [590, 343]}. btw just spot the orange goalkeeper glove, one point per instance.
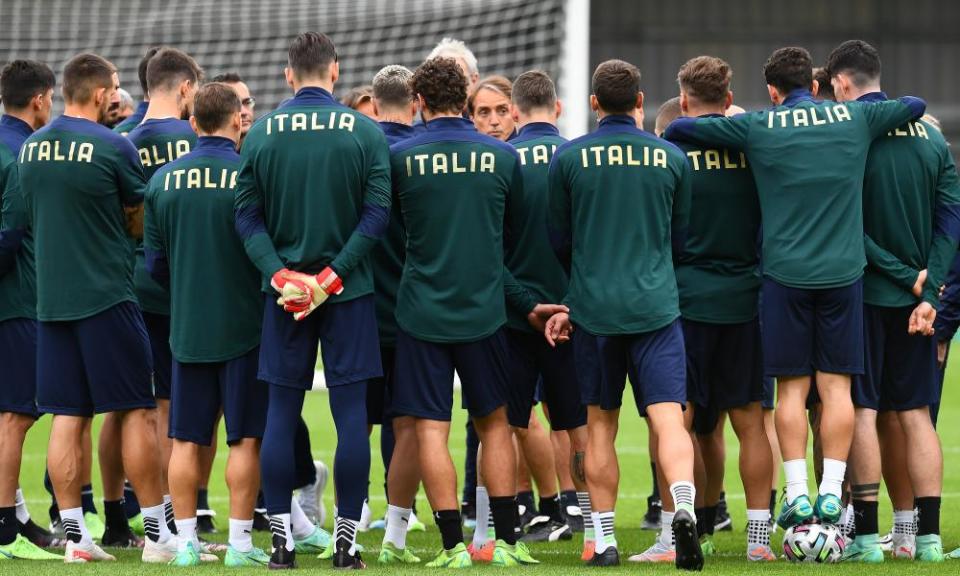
{"type": "Point", "coordinates": [302, 293]}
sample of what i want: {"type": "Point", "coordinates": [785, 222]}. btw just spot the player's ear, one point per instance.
{"type": "Point", "coordinates": [193, 124]}
{"type": "Point", "coordinates": [558, 108]}
{"type": "Point", "coordinates": [684, 103]}
{"type": "Point", "coordinates": [594, 103]}
{"type": "Point", "coordinates": [774, 95]}
{"type": "Point", "coordinates": [640, 101]}
{"type": "Point", "coordinates": [335, 71]}
{"type": "Point", "coordinates": [514, 112]}
{"type": "Point", "coordinates": [288, 75]}
{"type": "Point", "coordinates": [729, 99]}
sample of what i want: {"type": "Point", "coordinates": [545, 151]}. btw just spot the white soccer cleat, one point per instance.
{"type": "Point", "coordinates": [658, 553]}
{"type": "Point", "coordinates": [903, 546]}
{"type": "Point", "coordinates": [164, 552]}
{"type": "Point", "coordinates": [76, 553]}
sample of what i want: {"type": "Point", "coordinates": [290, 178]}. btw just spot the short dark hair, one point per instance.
{"type": "Point", "coordinates": [824, 87]}
{"type": "Point", "coordinates": [441, 83]}
{"type": "Point", "coordinates": [227, 78]}
{"type": "Point", "coordinates": [616, 84]}
{"type": "Point", "coordinates": [310, 54]}
{"type": "Point", "coordinates": [142, 68]}
{"type": "Point", "coordinates": [788, 69]}
{"type": "Point", "coordinates": [214, 105]}
{"type": "Point", "coordinates": [391, 86]}
{"type": "Point", "coordinates": [667, 113]}
{"type": "Point", "coordinates": [357, 96]}
{"type": "Point", "coordinates": [169, 67]}
{"type": "Point", "coordinates": [534, 90]}
{"type": "Point", "coordinates": [22, 80]}
{"type": "Point", "coordinates": [856, 58]}
{"type": "Point", "coordinates": [84, 74]}
{"type": "Point", "coordinates": [706, 79]}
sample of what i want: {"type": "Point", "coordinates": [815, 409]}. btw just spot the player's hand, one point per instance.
{"type": "Point", "coordinates": [921, 320]}
{"type": "Point", "coordinates": [558, 329]}
{"type": "Point", "coordinates": [542, 312]}
{"type": "Point", "coordinates": [133, 221]}
{"type": "Point", "coordinates": [303, 293]}
{"type": "Point", "coordinates": [942, 347]}
{"type": "Point", "coordinates": [918, 285]}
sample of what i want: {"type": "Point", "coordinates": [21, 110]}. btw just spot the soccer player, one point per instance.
{"type": "Point", "coordinates": [718, 278]}
{"type": "Point", "coordinates": [132, 121]}
{"type": "Point", "coordinates": [127, 105]}
{"type": "Point", "coordinates": [361, 100]}
{"type": "Point", "coordinates": [453, 186]}
{"type": "Point", "coordinates": [821, 82]}
{"type": "Point", "coordinates": [911, 223]}
{"type": "Point", "coordinates": [313, 198]}
{"type": "Point", "coordinates": [26, 89]}
{"type": "Point", "coordinates": [489, 108]}
{"type": "Point", "coordinates": [535, 108]}
{"type": "Point", "coordinates": [621, 186]}
{"type": "Point", "coordinates": [247, 101]}
{"type": "Point", "coordinates": [456, 49]}
{"type": "Point", "coordinates": [190, 240]}
{"type": "Point", "coordinates": [83, 186]}
{"type": "Point", "coordinates": [667, 113]}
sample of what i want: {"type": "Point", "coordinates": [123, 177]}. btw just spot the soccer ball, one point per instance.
{"type": "Point", "coordinates": [813, 543]}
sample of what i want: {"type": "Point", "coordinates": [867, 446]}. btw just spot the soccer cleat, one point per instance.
{"type": "Point", "coordinates": [23, 549]}
{"type": "Point", "coordinates": [77, 553]}
{"type": "Point", "coordinates": [95, 526]}
{"type": "Point", "coordinates": [281, 558]}
{"type": "Point", "coordinates": [458, 557]}
{"type": "Point", "coordinates": [390, 554]}
{"type": "Point", "coordinates": [609, 557]}
{"type": "Point", "coordinates": [651, 518]}
{"type": "Point", "coordinates": [365, 516]}
{"type": "Point", "coordinates": [543, 529]}
{"type": "Point", "coordinates": [211, 547]}
{"type": "Point", "coordinates": [828, 508]}
{"type": "Point", "coordinates": [317, 542]}
{"type": "Point", "coordinates": [797, 512]}
{"type": "Point", "coordinates": [723, 523]}
{"type": "Point", "coordinates": [707, 546]}
{"type": "Point", "coordinates": [760, 553]}
{"type": "Point", "coordinates": [468, 511]}
{"type": "Point", "coordinates": [37, 535]}
{"type": "Point", "coordinates": [380, 524]}
{"type": "Point", "coordinates": [589, 549]}
{"type": "Point", "coordinates": [689, 553]}
{"type": "Point", "coordinates": [484, 553]}
{"type": "Point", "coordinates": [166, 552]}
{"type": "Point", "coordinates": [574, 518]}
{"type": "Point", "coordinates": [344, 560]}
{"type": "Point", "coordinates": [886, 542]}
{"type": "Point", "coordinates": [136, 524]}
{"type": "Point", "coordinates": [955, 555]}
{"type": "Point", "coordinates": [659, 553]}
{"type": "Point", "coordinates": [261, 522]}
{"type": "Point", "coordinates": [929, 548]}
{"type": "Point", "coordinates": [205, 524]}
{"type": "Point", "coordinates": [123, 538]}
{"type": "Point", "coordinates": [505, 555]}
{"type": "Point", "coordinates": [527, 515]}
{"type": "Point", "coordinates": [237, 559]}
{"type": "Point", "coordinates": [414, 524]}
{"type": "Point", "coordinates": [903, 546]}
{"type": "Point", "coordinates": [864, 549]}
{"type": "Point", "coordinates": [188, 557]}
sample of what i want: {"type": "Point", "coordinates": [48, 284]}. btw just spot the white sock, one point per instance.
{"type": "Point", "coordinates": [241, 535]}
{"type": "Point", "coordinates": [833, 473]}
{"type": "Point", "coordinates": [74, 526]}
{"type": "Point", "coordinates": [666, 528]}
{"type": "Point", "coordinates": [280, 526]}
{"type": "Point", "coordinates": [397, 521]}
{"type": "Point", "coordinates": [483, 518]}
{"type": "Point", "coordinates": [186, 533]}
{"type": "Point", "coordinates": [903, 522]}
{"type": "Point", "coordinates": [346, 529]}
{"type": "Point", "coordinates": [583, 500]}
{"type": "Point", "coordinates": [758, 531]}
{"type": "Point", "coordinates": [155, 523]}
{"type": "Point", "coordinates": [23, 515]}
{"type": "Point", "coordinates": [795, 473]}
{"type": "Point", "coordinates": [683, 494]}
{"type": "Point", "coordinates": [603, 528]}
{"type": "Point", "coordinates": [299, 523]}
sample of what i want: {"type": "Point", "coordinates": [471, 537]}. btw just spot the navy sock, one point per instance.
{"type": "Point", "coordinates": [655, 493]}
{"type": "Point", "coordinates": [202, 503]}
{"type": "Point", "coordinates": [866, 516]}
{"type": "Point", "coordinates": [387, 442]}
{"type": "Point", "coordinates": [504, 512]}
{"type": "Point", "coordinates": [115, 516]}
{"type": "Point", "coordinates": [131, 506]}
{"type": "Point", "coordinates": [48, 484]}
{"type": "Point", "coordinates": [773, 503]}
{"type": "Point", "coordinates": [351, 463]}
{"type": "Point", "coordinates": [568, 498]}
{"type": "Point", "coordinates": [928, 515]}
{"type": "Point", "coordinates": [86, 499]}
{"type": "Point", "coordinates": [526, 500]}
{"type": "Point", "coordinates": [261, 501]}
{"type": "Point", "coordinates": [451, 528]}
{"type": "Point", "coordinates": [8, 525]}
{"type": "Point", "coordinates": [277, 470]}
{"type": "Point", "coordinates": [550, 506]}
{"type": "Point", "coordinates": [306, 472]}
{"type": "Point", "coordinates": [470, 466]}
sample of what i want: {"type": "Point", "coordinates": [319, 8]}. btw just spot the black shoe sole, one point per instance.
{"type": "Point", "coordinates": [689, 554]}
{"type": "Point", "coordinates": [608, 559]}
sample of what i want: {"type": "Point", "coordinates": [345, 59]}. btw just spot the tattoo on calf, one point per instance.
{"type": "Point", "coordinates": [578, 470]}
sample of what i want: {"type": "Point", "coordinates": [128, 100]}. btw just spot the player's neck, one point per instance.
{"type": "Point", "coordinates": [313, 83]}
{"type": "Point", "coordinates": [856, 92]}
{"type": "Point", "coordinates": [227, 134]}
{"type": "Point", "coordinates": [85, 111]}
{"type": "Point", "coordinates": [429, 115]}
{"type": "Point", "coordinates": [25, 116]}
{"type": "Point", "coordinates": [163, 106]}
{"type": "Point", "coordinates": [537, 117]}
{"type": "Point", "coordinates": [396, 117]}
{"type": "Point", "coordinates": [694, 111]}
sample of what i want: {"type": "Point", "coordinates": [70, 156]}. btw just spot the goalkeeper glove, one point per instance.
{"type": "Point", "coordinates": [302, 293]}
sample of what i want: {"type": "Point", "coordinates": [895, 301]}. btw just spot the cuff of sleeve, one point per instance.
{"type": "Point", "coordinates": [263, 255]}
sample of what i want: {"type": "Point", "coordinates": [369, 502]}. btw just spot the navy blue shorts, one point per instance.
{"type": "Point", "coordinates": [200, 390]}
{"type": "Point", "coordinates": [656, 361]}
{"type": "Point", "coordinates": [901, 370]}
{"type": "Point", "coordinates": [18, 361]}
{"type": "Point", "coordinates": [534, 365]}
{"type": "Point", "coordinates": [810, 330]}
{"type": "Point", "coordinates": [724, 364]}
{"type": "Point", "coordinates": [347, 335]}
{"type": "Point", "coordinates": [158, 330]}
{"type": "Point", "coordinates": [379, 389]}
{"type": "Point", "coordinates": [769, 393]}
{"type": "Point", "coordinates": [423, 382]}
{"type": "Point", "coordinates": [95, 365]}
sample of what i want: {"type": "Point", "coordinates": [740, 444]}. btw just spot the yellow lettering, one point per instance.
{"type": "Point", "coordinates": [615, 155]}
{"type": "Point", "coordinates": [711, 159]}
{"type": "Point", "coordinates": [694, 156]}
{"type": "Point", "coordinates": [922, 131]}
{"type": "Point", "coordinates": [521, 151]}
{"type": "Point", "coordinates": [800, 117]}
{"type": "Point", "coordinates": [455, 166]}
{"type": "Point", "coordinates": [44, 152]}
{"type": "Point", "coordinates": [193, 178]}
{"type": "Point", "coordinates": [422, 162]}
{"type": "Point", "coordinates": [660, 157]}
{"type": "Point", "coordinates": [85, 153]}
{"type": "Point", "coordinates": [346, 122]}
{"type": "Point", "coordinates": [487, 161]}
{"type": "Point", "coordinates": [439, 163]}
{"type": "Point", "coordinates": [298, 122]}
{"type": "Point", "coordinates": [841, 112]}
{"type": "Point", "coordinates": [540, 154]}
{"type": "Point", "coordinates": [631, 161]}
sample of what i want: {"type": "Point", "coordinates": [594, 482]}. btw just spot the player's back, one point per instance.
{"type": "Point", "coordinates": [18, 293]}
{"type": "Point", "coordinates": [627, 192]}
{"type": "Point", "coordinates": [453, 184]}
{"type": "Point", "coordinates": [190, 210]}
{"type": "Point", "coordinates": [77, 177]}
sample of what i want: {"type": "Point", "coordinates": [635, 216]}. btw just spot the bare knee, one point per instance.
{"type": "Point", "coordinates": [15, 424]}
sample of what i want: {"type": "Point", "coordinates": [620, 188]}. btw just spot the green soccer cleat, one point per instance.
{"type": "Point", "coordinates": [317, 542]}
{"type": "Point", "coordinates": [390, 554]}
{"type": "Point", "coordinates": [707, 546]}
{"type": "Point", "coordinates": [929, 548]}
{"type": "Point", "coordinates": [23, 549]}
{"type": "Point", "coordinates": [458, 557]}
{"type": "Point", "coordinates": [797, 512]}
{"type": "Point", "coordinates": [864, 549]}
{"type": "Point", "coordinates": [415, 525]}
{"type": "Point", "coordinates": [828, 508]}
{"type": "Point", "coordinates": [237, 559]}
{"type": "Point", "coordinates": [505, 555]}
{"type": "Point", "coordinates": [95, 525]}
{"type": "Point", "coordinates": [328, 551]}
{"type": "Point", "coordinates": [188, 557]}
{"type": "Point", "coordinates": [136, 524]}
{"type": "Point", "coordinates": [955, 555]}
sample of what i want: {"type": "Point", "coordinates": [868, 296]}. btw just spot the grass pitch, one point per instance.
{"type": "Point", "coordinates": [562, 557]}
